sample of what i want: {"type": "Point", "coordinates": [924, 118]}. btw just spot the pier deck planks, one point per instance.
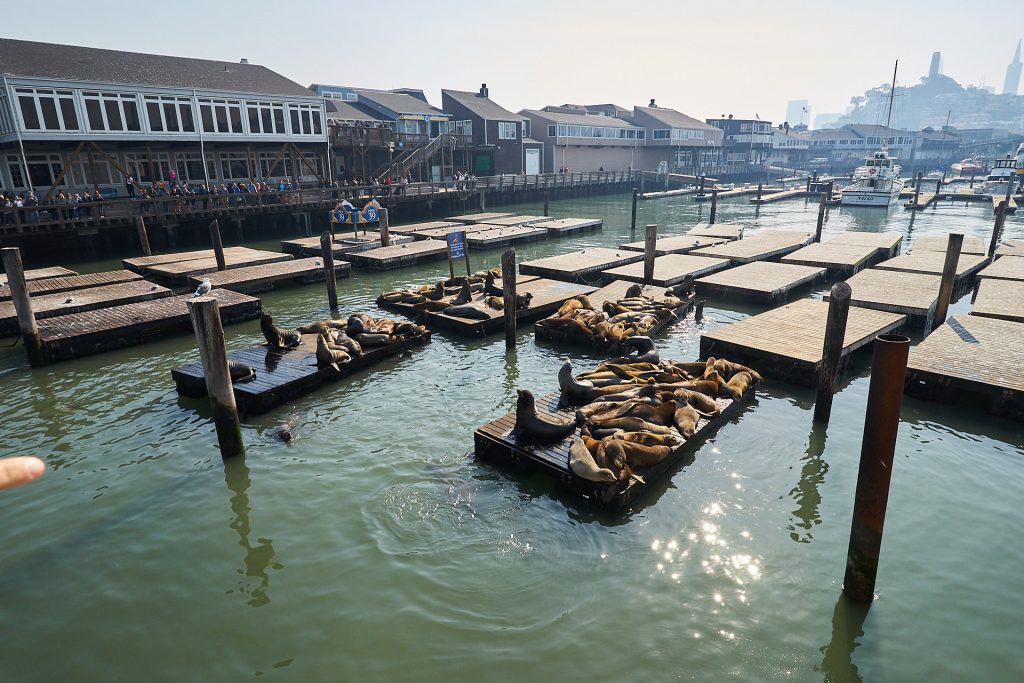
{"type": "Point", "coordinates": [141, 264]}
{"type": "Point", "coordinates": [931, 262]}
{"type": "Point", "coordinates": [410, 228]}
{"type": "Point", "coordinates": [1010, 248]}
{"type": "Point", "coordinates": [914, 295]}
{"type": "Point", "coordinates": [761, 281]}
{"type": "Point", "coordinates": [971, 353]}
{"type": "Point", "coordinates": [570, 226]}
{"type": "Point", "coordinates": [518, 220]}
{"type": "Point", "coordinates": [400, 255]}
{"type": "Point", "coordinates": [479, 217]}
{"type": "Point", "coordinates": [502, 236]}
{"type": "Point", "coordinates": [54, 285]}
{"type": "Point", "coordinates": [971, 245]}
{"type": "Point", "coordinates": [839, 260]}
{"type": "Point", "coordinates": [669, 269]}
{"type": "Point", "coordinates": [728, 231]}
{"type": "Point", "coordinates": [444, 231]}
{"type": "Point", "coordinates": [770, 244]}
{"type": "Point", "coordinates": [44, 273]}
{"type": "Point", "coordinates": [887, 244]}
{"type": "Point", "coordinates": [82, 334]}
{"type": "Point", "coordinates": [575, 266]}
{"type": "Point", "coordinates": [776, 196]}
{"type": "Point", "coordinates": [675, 244]}
{"type": "Point", "coordinates": [1003, 299]}
{"type": "Point", "coordinates": [342, 246]}
{"type": "Point", "coordinates": [1004, 268]}
{"type": "Point", "coordinates": [284, 374]}
{"type": "Point", "coordinates": [787, 342]}
{"type": "Point", "coordinates": [263, 277]}
{"type": "Point", "coordinates": [88, 299]}
{"type": "Point", "coordinates": [181, 271]}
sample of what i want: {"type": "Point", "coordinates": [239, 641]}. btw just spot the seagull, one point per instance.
{"type": "Point", "coordinates": [317, 263]}
{"type": "Point", "coordinates": [152, 288]}
{"type": "Point", "coordinates": [69, 300]}
{"type": "Point", "coordinates": [204, 288]}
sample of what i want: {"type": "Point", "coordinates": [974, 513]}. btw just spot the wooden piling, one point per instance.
{"type": "Point", "coordinates": [698, 311]}
{"type": "Point", "coordinates": [547, 202]}
{"type": "Point", "coordinates": [953, 246]}
{"type": "Point", "coordinates": [465, 253]}
{"type": "Point", "coordinates": [917, 188]}
{"type": "Point", "coordinates": [632, 220]}
{"type": "Point", "coordinates": [205, 314]}
{"type": "Point", "coordinates": [140, 227]}
{"type": "Point", "coordinates": [938, 188]}
{"type": "Point", "coordinates": [327, 254]}
{"type": "Point", "coordinates": [821, 218]}
{"type": "Point", "coordinates": [832, 350]}
{"type": "Point", "coordinates": [508, 287]}
{"type": "Point", "coordinates": [483, 200]}
{"type": "Point", "coordinates": [650, 250]}
{"type": "Point", "coordinates": [385, 229]}
{"type": "Point", "coordinates": [714, 207]}
{"type": "Point", "coordinates": [881, 424]}
{"type": "Point", "coordinates": [997, 228]}
{"type": "Point", "coordinates": [760, 186]}
{"type": "Point", "coordinates": [218, 246]}
{"type": "Point", "coordinates": [15, 276]}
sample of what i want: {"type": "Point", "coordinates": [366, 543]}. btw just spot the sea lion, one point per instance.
{"type": "Point", "coordinates": [489, 287]}
{"type": "Point", "coordinates": [634, 291]}
{"type": "Point", "coordinates": [532, 424]}
{"type": "Point", "coordinates": [659, 414]}
{"type": "Point", "coordinates": [355, 325]}
{"type": "Point", "coordinates": [432, 306]}
{"type": "Point", "coordinates": [406, 329]}
{"type": "Point", "coordinates": [644, 347]}
{"type": "Point", "coordinates": [702, 386]}
{"type": "Point", "coordinates": [573, 390]}
{"type": "Point", "coordinates": [568, 307]}
{"type": "Point", "coordinates": [467, 311]}
{"type": "Point", "coordinates": [436, 292]}
{"type": "Point", "coordinates": [648, 439]}
{"type": "Point", "coordinates": [728, 369]}
{"type": "Point", "coordinates": [631, 424]}
{"type": "Point", "coordinates": [465, 295]}
{"type": "Point", "coordinates": [285, 430]}
{"type": "Point", "coordinates": [274, 335]}
{"type": "Point", "coordinates": [340, 340]}
{"type": "Point", "coordinates": [523, 300]}
{"type": "Point", "coordinates": [583, 465]}
{"type": "Point", "coordinates": [685, 419]}
{"type": "Point", "coordinates": [703, 404]}
{"type": "Point", "coordinates": [617, 462]}
{"type": "Point", "coordinates": [568, 325]}
{"type": "Point", "coordinates": [328, 357]}
{"type": "Point", "coordinates": [321, 325]}
{"type": "Point", "coordinates": [495, 302]}
{"type": "Point", "coordinates": [240, 372]}
{"type": "Point", "coordinates": [639, 455]}
{"type": "Point", "coordinates": [372, 340]}
{"type": "Point", "coordinates": [738, 384]}
{"type": "Point", "coordinates": [692, 369]}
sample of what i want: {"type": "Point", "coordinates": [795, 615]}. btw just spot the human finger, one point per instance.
{"type": "Point", "coordinates": [18, 471]}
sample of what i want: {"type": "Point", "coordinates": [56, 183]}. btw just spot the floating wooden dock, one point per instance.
{"type": "Point", "coordinates": [914, 295]}
{"type": "Point", "coordinates": [44, 273]}
{"type": "Point", "coordinates": [1010, 248]}
{"type": "Point", "coordinates": [486, 217]}
{"type": "Point", "coordinates": [53, 285]}
{"type": "Point", "coordinates": [971, 245]}
{"type": "Point", "coordinates": [886, 244]}
{"type": "Point", "coordinates": [924, 200]}
{"type": "Point", "coordinates": [519, 220]}
{"type": "Point", "coordinates": [442, 233]}
{"type": "Point", "coordinates": [576, 266]}
{"type": "Point", "coordinates": [787, 342]}
{"type": "Point", "coordinates": [761, 281]}
{"type": "Point", "coordinates": [777, 196]}
{"type": "Point", "coordinates": [88, 299]}
{"type": "Point", "coordinates": [183, 271]}
{"type": "Point", "coordinates": [770, 244]}
{"type": "Point", "coordinates": [1011, 205]}
{"type": "Point", "coordinates": [669, 269]}
{"type": "Point", "coordinates": [570, 226]}
{"type": "Point", "coordinates": [667, 193]}
{"type": "Point", "coordinates": [497, 441]}
{"type": "Point", "coordinates": [1003, 299]}
{"type": "Point", "coordinates": [726, 231]}
{"type": "Point", "coordinates": [737, 192]}
{"type": "Point", "coordinates": [341, 247]}
{"type": "Point", "coordinates": [400, 255]}
{"type": "Point", "coordinates": [1004, 268]}
{"type": "Point", "coordinates": [931, 262]}
{"type": "Point", "coordinates": [410, 228]}
{"type": "Point", "coordinates": [675, 244]}
{"type": "Point", "coordinates": [503, 236]}
{"type": "Point", "coordinates": [285, 374]}
{"type": "Point", "coordinates": [83, 334]}
{"type": "Point", "coordinates": [263, 277]}
{"type": "Point", "coordinates": [974, 354]}
{"type": "Point", "coordinates": [142, 264]}
{"type": "Point", "coordinates": [840, 260]}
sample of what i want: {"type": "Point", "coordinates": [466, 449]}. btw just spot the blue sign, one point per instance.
{"type": "Point", "coordinates": [456, 244]}
{"type": "Point", "coordinates": [370, 214]}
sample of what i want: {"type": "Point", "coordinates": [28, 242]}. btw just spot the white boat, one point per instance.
{"type": "Point", "coordinates": [1003, 172]}
{"type": "Point", "coordinates": [876, 183]}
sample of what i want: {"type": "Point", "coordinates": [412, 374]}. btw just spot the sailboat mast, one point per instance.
{"type": "Point", "coordinates": [892, 91]}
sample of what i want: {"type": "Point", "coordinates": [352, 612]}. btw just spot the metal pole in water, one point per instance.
{"type": "Point", "coordinates": [140, 227]}
{"type": "Point", "coordinates": [205, 314]}
{"type": "Point", "coordinates": [882, 419]}
{"type": "Point", "coordinates": [714, 207]}
{"type": "Point", "coordinates": [508, 287]}
{"type": "Point", "coordinates": [23, 306]}
{"type": "Point", "coordinates": [218, 246]}
{"type": "Point", "coordinates": [821, 218]}
{"type": "Point", "coordinates": [632, 220]}
{"type": "Point", "coordinates": [997, 227]}
{"type": "Point", "coordinates": [385, 229]}
{"type": "Point", "coordinates": [650, 248]}
{"type": "Point", "coordinates": [327, 254]}
{"type": "Point", "coordinates": [832, 350]}
{"type": "Point", "coordinates": [953, 245]}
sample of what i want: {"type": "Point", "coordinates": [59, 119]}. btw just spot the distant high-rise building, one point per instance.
{"type": "Point", "coordinates": [1012, 82]}
{"type": "Point", "coordinates": [936, 67]}
{"type": "Point", "coordinates": [797, 112]}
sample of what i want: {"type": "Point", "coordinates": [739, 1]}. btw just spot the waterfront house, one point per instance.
{"type": "Point", "coordinates": [497, 138]}
{"type": "Point", "coordinates": [684, 143]}
{"type": "Point", "coordinates": [745, 143]}
{"type": "Point", "coordinates": [578, 141]}
{"type": "Point", "coordinates": [790, 147]}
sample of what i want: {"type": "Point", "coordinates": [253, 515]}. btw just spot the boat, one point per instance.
{"type": "Point", "coordinates": [877, 182]}
{"type": "Point", "coordinates": [968, 167]}
{"type": "Point", "coordinates": [1003, 172]}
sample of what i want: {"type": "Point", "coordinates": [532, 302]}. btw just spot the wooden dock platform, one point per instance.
{"type": "Point", "coordinates": [410, 228]}
{"type": "Point", "coordinates": [779, 195]}
{"type": "Point", "coordinates": [667, 193]}
{"type": "Point", "coordinates": [675, 244]}
{"type": "Point", "coordinates": [974, 354]}
{"type": "Point", "coordinates": [761, 281]}
{"type": "Point", "coordinates": [886, 244]}
{"type": "Point", "coordinates": [669, 269]}
{"type": "Point", "coordinates": [1010, 248]}
{"type": "Point", "coordinates": [53, 285]}
{"type": "Point", "coordinates": [88, 299]}
{"type": "Point", "coordinates": [181, 272]}
{"type": "Point", "coordinates": [931, 262]}
{"type": "Point", "coordinates": [263, 277]}
{"type": "Point", "coordinates": [767, 245]}
{"type": "Point", "coordinates": [726, 231]}
{"type": "Point", "coordinates": [924, 200]}
{"type": "Point", "coordinates": [737, 192]}
{"type": "Point", "coordinates": [1011, 206]}
{"type": "Point", "coordinates": [570, 226]}
{"type": "Point", "coordinates": [579, 266]}
{"type": "Point", "coordinates": [503, 236]}
{"type": "Point", "coordinates": [840, 260]}
{"type": "Point", "coordinates": [44, 273]}
{"type": "Point", "coordinates": [485, 217]}
{"type": "Point", "coordinates": [83, 334]}
{"type": "Point", "coordinates": [971, 245]}
{"type": "Point", "coordinates": [400, 255]}
{"type": "Point", "coordinates": [1003, 299]}
{"type": "Point", "coordinates": [285, 374]}
{"type": "Point", "coordinates": [914, 295]}
{"type": "Point", "coordinates": [1004, 268]}
{"type": "Point", "coordinates": [142, 264]}
{"type": "Point", "coordinates": [342, 246]}
{"type": "Point", "coordinates": [442, 233]}
{"type": "Point", "coordinates": [786, 342]}
{"type": "Point", "coordinates": [519, 220]}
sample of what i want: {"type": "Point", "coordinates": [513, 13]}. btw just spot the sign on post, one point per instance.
{"type": "Point", "coordinates": [457, 249]}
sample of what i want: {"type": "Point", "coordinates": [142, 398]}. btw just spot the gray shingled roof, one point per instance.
{"type": "Point", "coordinates": [674, 119]}
{"type": "Point", "coordinates": [483, 107]}
{"type": "Point", "coordinates": [74, 63]}
{"type": "Point", "coordinates": [580, 119]}
{"type": "Point", "coordinates": [349, 111]}
{"type": "Point", "coordinates": [400, 103]}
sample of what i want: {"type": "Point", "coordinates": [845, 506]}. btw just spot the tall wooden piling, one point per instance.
{"type": "Point", "coordinates": [997, 228]}
{"type": "Point", "coordinates": [140, 227]}
{"type": "Point", "coordinates": [205, 314]}
{"type": "Point", "coordinates": [821, 218]}
{"type": "Point", "coordinates": [832, 350]}
{"type": "Point", "coordinates": [938, 188]}
{"type": "Point", "coordinates": [701, 192]}
{"type": "Point", "coordinates": [15, 276]}
{"type": "Point", "coordinates": [218, 246]}
{"type": "Point", "coordinates": [547, 203]}
{"type": "Point", "coordinates": [760, 186]}
{"type": "Point", "coordinates": [385, 229]}
{"type": "Point", "coordinates": [917, 189]}
{"type": "Point", "coordinates": [483, 200]}
{"type": "Point", "coordinates": [881, 424]}
{"type": "Point", "coordinates": [953, 246]}
{"type": "Point", "coordinates": [508, 290]}
{"type": "Point", "coordinates": [327, 254]}
{"type": "Point", "coordinates": [632, 220]}
{"type": "Point", "coordinates": [714, 207]}
{"type": "Point", "coordinates": [650, 248]}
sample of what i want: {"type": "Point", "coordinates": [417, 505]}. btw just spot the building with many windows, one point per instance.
{"type": "Point", "coordinates": [497, 140]}
{"type": "Point", "coordinates": [681, 141]}
{"type": "Point", "coordinates": [745, 141]}
{"type": "Point", "coordinates": [78, 118]}
{"type": "Point", "coordinates": [577, 141]}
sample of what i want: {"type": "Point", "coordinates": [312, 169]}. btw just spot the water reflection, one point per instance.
{"type": "Point", "coordinates": [511, 380]}
{"type": "Point", "coordinates": [847, 626]}
{"type": "Point", "coordinates": [806, 493]}
{"type": "Point", "coordinates": [259, 557]}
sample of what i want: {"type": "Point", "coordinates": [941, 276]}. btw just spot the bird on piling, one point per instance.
{"type": "Point", "coordinates": [204, 288]}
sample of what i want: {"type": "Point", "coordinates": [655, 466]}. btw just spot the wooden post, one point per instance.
{"type": "Point", "coordinates": [821, 218]}
{"type": "Point", "coordinates": [23, 305]}
{"type": "Point", "coordinates": [760, 186]}
{"type": "Point", "coordinates": [917, 189]}
{"type": "Point", "coordinates": [327, 254]}
{"type": "Point", "coordinates": [218, 246]}
{"type": "Point", "coordinates": [701, 193]}
{"type": "Point", "coordinates": [483, 200]}
{"type": "Point", "coordinates": [508, 287]}
{"type": "Point", "coordinates": [650, 248]}
{"type": "Point", "coordinates": [547, 200]}
{"type": "Point", "coordinates": [465, 253]}
{"type": "Point", "coordinates": [385, 229]}
{"type": "Point", "coordinates": [997, 228]}
{"type": "Point", "coordinates": [714, 207]}
{"type": "Point", "coordinates": [140, 226]}
{"type": "Point", "coordinates": [451, 265]}
{"type": "Point", "coordinates": [632, 220]}
{"type": "Point", "coordinates": [881, 424]}
{"type": "Point", "coordinates": [832, 350]}
{"type": "Point", "coordinates": [205, 314]}
{"type": "Point", "coordinates": [698, 311]}
{"type": "Point", "coordinates": [953, 246]}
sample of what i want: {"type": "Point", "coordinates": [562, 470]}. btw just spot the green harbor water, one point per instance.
{"type": "Point", "coordinates": [375, 548]}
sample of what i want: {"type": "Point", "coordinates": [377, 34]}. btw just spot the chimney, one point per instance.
{"type": "Point", "coordinates": [225, 67]}
{"type": "Point", "coordinates": [243, 60]}
{"type": "Point", "coordinates": [483, 91]}
{"type": "Point", "coordinates": [652, 105]}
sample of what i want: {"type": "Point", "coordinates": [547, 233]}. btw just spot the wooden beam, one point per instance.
{"type": "Point", "coordinates": [63, 172]}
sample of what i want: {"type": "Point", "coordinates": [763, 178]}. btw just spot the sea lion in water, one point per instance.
{"type": "Point", "coordinates": [532, 424]}
{"type": "Point", "coordinates": [467, 311]}
{"type": "Point", "coordinates": [274, 335]}
{"type": "Point", "coordinates": [240, 372]}
{"type": "Point", "coordinates": [583, 465]}
{"type": "Point", "coordinates": [464, 296]}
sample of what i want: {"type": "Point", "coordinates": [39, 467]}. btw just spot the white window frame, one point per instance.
{"type": "Point", "coordinates": [507, 130]}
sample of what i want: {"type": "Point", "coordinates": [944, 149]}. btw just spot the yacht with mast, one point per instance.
{"type": "Point", "coordinates": [877, 182]}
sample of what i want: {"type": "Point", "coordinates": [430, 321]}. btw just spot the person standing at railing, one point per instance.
{"type": "Point", "coordinates": [129, 185]}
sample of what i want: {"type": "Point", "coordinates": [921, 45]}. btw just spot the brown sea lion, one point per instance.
{"type": "Point", "coordinates": [738, 384]}
{"type": "Point", "coordinates": [328, 357]}
{"type": "Point", "coordinates": [532, 424]}
{"type": "Point", "coordinates": [321, 325]}
{"type": "Point", "coordinates": [583, 465]}
{"type": "Point", "coordinates": [568, 307]}
{"type": "Point", "coordinates": [465, 295]}
{"type": "Point", "coordinates": [660, 414]}
{"type": "Point", "coordinates": [639, 455]}
{"type": "Point", "coordinates": [634, 291]}
{"type": "Point", "coordinates": [630, 424]}
{"type": "Point", "coordinates": [702, 386]}
{"type": "Point", "coordinates": [728, 369]}
{"type": "Point", "coordinates": [616, 458]}
{"type": "Point", "coordinates": [432, 306]}
{"type": "Point", "coordinates": [274, 335]}
{"type": "Point", "coordinates": [523, 300]}
{"type": "Point", "coordinates": [648, 439]}
{"type": "Point", "coordinates": [240, 372]}
{"type": "Point", "coordinates": [702, 403]}
{"type": "Point", "coordinates": [495, 302]}
{"type": "Point", "coordinates": [685, 419]}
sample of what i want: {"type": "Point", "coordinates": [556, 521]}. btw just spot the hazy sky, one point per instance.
{"type": "Point", "coordinates": [741, 57]}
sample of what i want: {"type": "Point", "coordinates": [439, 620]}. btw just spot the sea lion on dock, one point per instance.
{"type": "Point", "coordinates": [573, 390]}
{"type": "Point", "coordinates": [648, 439]}
{"type": "Point", "coordinates": [532, 424]}
{"type": "Point", "coordinates": [617, 462]}
{"type": "Point", "coordinates": [467, 311]}
{"type": "Point", "coordinates": [634, 291]}
{"type": "Point", "coordinates": [432, 306]}
{"type": "Point", "coordinates": [685, 419]}
{"type": "Point", "coordinates": [495, 302]}
{"type": "Point", "coordinates": [738, 384]}
{"type": "Point", "coordinates": [645, 349]}
{"type": "Point", "coordinates": [328, 357]}
{"type": "Point", "coordinates": [639, 455]}
{"type": "Point", "coordinates": [583, 465]}
{"type": "Point", "coordinates": [320, 326]}
{"type": "Point", "coordinates": [728, 369]}
{"type": "Point", "coordinates": [337, 339]}
{"type": "Point", "coordinates": [631, 424]}
{"type": "Point", "coordinates": [240, 372]}
{"type": "Point", "coordinates": [274, 335]}
{"type": "Point", "coordinates": [490, 288]}
{"type": "Point", "coordinates": [465, 295]}
{"type": "Point", "coordinates": [523, 300]}
{"type": "Point", "coordinates": [372, 340]}
{"type": "Point", "coordinates": [702, 403]}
